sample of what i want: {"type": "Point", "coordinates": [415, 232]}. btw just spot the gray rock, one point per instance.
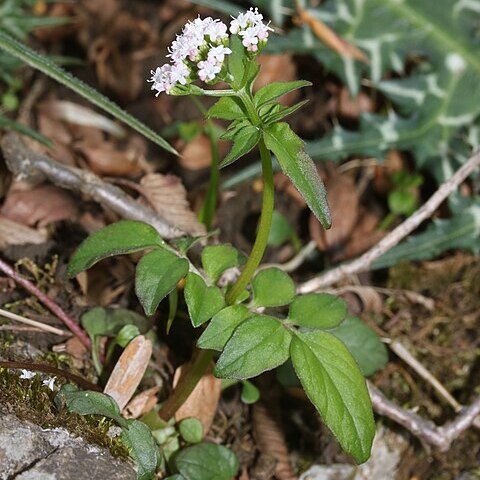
{"type": "Point", "coordinates": [27, 452]}
{"type": "Point", "coordinates": [21, 445]}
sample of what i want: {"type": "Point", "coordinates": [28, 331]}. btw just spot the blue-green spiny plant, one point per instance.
{"type": "Point", "coordinates": [244, 321]}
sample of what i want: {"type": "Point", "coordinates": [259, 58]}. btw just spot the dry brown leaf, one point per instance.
{"type": "Point", "coordinates": [371, 300]}
{"type": "Point", "coordinates": [129, 371]}
{"type": "Point", "coordinates": [13, 233]}
{"type": "Point", "coordinates": [277, 68]}
{"type": "Point", "coordinates": [168, 197]}
{"type": "Point", "coordinates": [330, 38]}
{"type": "Point", "coordinates": [196, 154]}
{"type": "Point", "coordinates": [141, 403]}
{"type": "Point", "coordinates": [40, 205]}
{"type": "Point", "coordinates": [202, 402]}
{"type": "Point", "coordinates": [271, 440]}
{"type": "Point", "coordinates": [343, 200]}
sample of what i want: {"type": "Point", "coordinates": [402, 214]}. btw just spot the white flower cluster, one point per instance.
{"type": "Point", "coordinates": [250, 27]}
{"type": "Point", "coordinates": [47, 382]}
{"type": "Point", "coordinates": [200, 50]}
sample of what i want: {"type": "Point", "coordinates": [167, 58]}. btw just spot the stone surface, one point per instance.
{"type": "Point", "coordinates": [27, 452]}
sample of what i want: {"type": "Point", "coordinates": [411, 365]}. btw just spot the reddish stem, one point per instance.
{"type": "Point", "coordinates": [47, 301]}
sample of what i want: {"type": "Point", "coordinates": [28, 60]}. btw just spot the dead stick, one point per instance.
{"type": "Point", "coordinates": [29, 165]}
{"type": "Point", "coordinates": [33, 323]}
{"type": "Point", "coordinates": [362, 263]}
{"type": "Point", "coordinates": [439, 437]}
{"type": "Point", "coordinates": [47, 301]}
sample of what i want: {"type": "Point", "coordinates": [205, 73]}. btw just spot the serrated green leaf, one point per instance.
{"type": "Point", "coordinates": [243, 141]}
{"type": "Point", "coordinates": [317, 310]}
{"type": "Point", "coordinates": [46, 66]}
{"type": "Point", "coordinates": [250, 393]}
{"type": "Point", "coordinates": [234, 128]}
{"type": "Point", "coordinates": [218, 258]}
{"type": "Point", "coordinates": [259, 344]}
{"type": "Point", "coordinates": [282, 113]}
{"type": "Point", "coordinates": [203, 302]}
{"type": "Point", "coordinates": [191, 430]}
{"type": "Point", "coordinates": [126, 236]}
{"type": "Point", "coordinates": [227, 108]}
{"type": "Point", "coordinates": [236, 60]}
{"type": "Point", "coordinates": [299, 167]}
{"type": "Point", "coordinates": [206, 461]}
{"type": "Point", "coordinates": [363, 343]}
{"type": "Point", "coordinates": [275, 90]}
{"type": "Point", "coordinates": [222, 326]}
{"type": "Point", "coordinates": [335, 385]}
{"type": "Point", "coordinates": [272, 287]}
{"type": "Point", "coordinates": [157, 274]}
{"type": "Point", "coordinates": [142, 448]}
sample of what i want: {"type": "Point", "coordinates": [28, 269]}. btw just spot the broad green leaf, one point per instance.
{"type": "Point", "coordinates": [46, 66]}
{"type": "Point", "coordinates": [335, 385]}
{"type": "Point", "coordinates": [363, 343]}
{"type": "Point", "coordinates": [206, 461]}
{"type": "Point", "coordinates": [244, 141]}
{"type": "Point", "coordinates": [296, 164]}
{"type": "Point", "coordinates": [218, 258]}
{"type": "Point", "coordinates": [126, 236]}
{"type": "Point", "coordinates": [191, 430]}
{"type": "Point", "coordinates": [275, 90]}
{"type": "Point", "coordinates": [280, 230]}
{"type": "Point", "coordinates": [236, 60]}
{"type": "Point", "coordinates": [91, 403]}
{"type": "Point", "coordinates": [234, 128]}
{"type": "Point", "coordinates": [222, 326]}
{"type": "Point", "coordinates": [272, 287]}
{"type": "Point", "coordinates": [250, 393]}
{"type": "Point", "coordinates": [142, 448]}
{"type": "Point", "coordinates": [203, 302]}
{"type": "Point", "coordinates": [157, 274]}
{"type": "Point", "coordinates": [227, 108]}
{"type": "Point", "coordinates": [283, 112]}
{"type": "Point", "coordinates": [259, 344]}
{"type": "Point", "coordinates": [126, 335]}
{"type": "Point", "coordinates": [317, 310]}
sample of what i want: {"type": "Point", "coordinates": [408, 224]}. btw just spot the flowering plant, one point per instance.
{"type": "Point", "coordinates": [246, 327]}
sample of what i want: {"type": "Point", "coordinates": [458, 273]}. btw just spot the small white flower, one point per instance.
{"type": "Point", "coordinates": [216, 30]}
{"type": "Point", "coordinates": [217, 54]}
{"type": "Point", "coordinates": [179, 73]}
{"type": "Point", "coordinates": [49, 382]}
{"type": "Point", "coordinates": [161, 79]}
{"type": "Point", "coordinates": [208, 70]}
{"type": "Point", "coordinates": [27, 374]}
{"type": "Point", "coordinates": [250, 38]}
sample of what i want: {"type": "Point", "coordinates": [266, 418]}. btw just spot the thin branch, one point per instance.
{"type": "Point", "coordinates": [362, 263]}
{"type": "Point", "coordinates": [294, 262]}
{"type": "Point", "coordinates": [440, 437]}
{"type": "Point", "coordinates": [47, 301]}
{"type": "Point", "coordinates": [29, 165]}
{"type": "Point", "coordinates": [33, 323]}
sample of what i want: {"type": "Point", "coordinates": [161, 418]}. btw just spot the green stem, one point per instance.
{"type": "Point", "coordinates": [260, 244]}
{"type": "Point", "coordinates": [219, 93]}
{"type": "Point", "coordinates": [187, 383]}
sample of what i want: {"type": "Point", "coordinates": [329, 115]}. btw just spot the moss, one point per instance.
{"type": "Point", "coordinates": [30, 400]}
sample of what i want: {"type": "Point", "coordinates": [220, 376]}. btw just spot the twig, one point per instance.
{"type": "Point", "coordinates": [29, 165]}
{"type": "Point", "coordinates": [294, 262]}
{"type": "Point", "coordinates": [34, 323]}
{"type": "Point", "coordinates": [440, 437]}
{"type": "Point", "coordinates": [47, 301]}
{"type": "Point", "coordinates": [399, 349]}
{"type": "Point", "coordinates": [40, 367]}
{"type": "Point", "coordinates": [362, 263]}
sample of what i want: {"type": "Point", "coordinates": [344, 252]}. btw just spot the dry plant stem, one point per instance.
{"type": "Point", "coordinates": [439, 437]}
{"type": "Point", "coordinates": [29, 165]}
{"type": "Point", "coordinates": [33, 323]}
{"type": "Point", "coordinates": [40, 367]}
{"type": "Point", "coordinates": [362, 263]}
{"type": "Point", "coordinates": [47, 301]}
